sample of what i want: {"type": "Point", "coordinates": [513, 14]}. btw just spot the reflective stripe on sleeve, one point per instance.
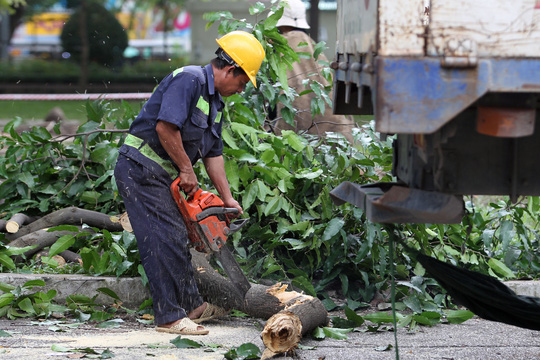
{"type": "Point", "coordinates": [203, 106]}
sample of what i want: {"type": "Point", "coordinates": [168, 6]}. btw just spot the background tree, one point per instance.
{"type": "Point", "coordinates": [94, 34]}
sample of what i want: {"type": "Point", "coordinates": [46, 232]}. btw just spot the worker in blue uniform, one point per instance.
{"type": "Point", "coordinates": [180, 124]}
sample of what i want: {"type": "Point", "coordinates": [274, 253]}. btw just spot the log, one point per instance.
{"type": "Point", "coordinates": [66, 255]}
{"type": "Point", "coordinates": [71, 257]}
{"type": "Point", "coordinates": [41, 239]}
{"type": "Point", "coordinates": [214, 287]}
{"type": "Point", "coordinates": [301, 315]}
{"type": "Point", "coordinates": [69, 216]}
{"type": "Point", "coordinates": [290, 314]}
{"type": "Point", "coordinates": [3, 225]}
{"type": "Point", "coordinates": [45, 253]}
{"type": "Point", "coordinates": [13, 225]}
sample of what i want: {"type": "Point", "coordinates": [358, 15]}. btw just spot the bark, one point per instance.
{"type": "Point", "coordinates": [69, 216]}
{"type": "Point", "coordinates": [3, 225]}
{"type": "Point", "coordinates": [214, 287]}
{"type": "Point", "coordinates": [301, 315]}
{"type": "Point", "coordinates": [67, 255]}
{"type": "Point", "coordinates": [14, 224]}
{"type": "Point", "coordinates": [41, 239]}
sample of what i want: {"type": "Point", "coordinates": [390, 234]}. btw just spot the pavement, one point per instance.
{"type": "Point", "coordinates": [131, 340]}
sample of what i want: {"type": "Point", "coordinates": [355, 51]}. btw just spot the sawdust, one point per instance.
{"type": "Point", "coordinates": [147, 340]}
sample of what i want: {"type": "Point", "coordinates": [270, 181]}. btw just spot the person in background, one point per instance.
{"type": "Point", "coordinates": [293, 27]}
{"type": "Point", "coordinates": [180, 124]}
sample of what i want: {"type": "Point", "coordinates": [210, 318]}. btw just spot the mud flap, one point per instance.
{"type": "Point", "coordinates": [393, 203]}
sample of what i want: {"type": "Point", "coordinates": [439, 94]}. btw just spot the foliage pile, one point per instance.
{"type": "Point", "coordinates": [283, 183]}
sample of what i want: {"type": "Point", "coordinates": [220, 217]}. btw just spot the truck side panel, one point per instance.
{"type": "Point", "coordinates": [401, 30]}
{"type": "Point", "coordinates": [387, 27]}
{"type": "Point", "coordinates": [484, 28]}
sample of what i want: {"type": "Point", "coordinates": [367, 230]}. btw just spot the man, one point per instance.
{"type": "Point", "coordinates": [293, 26]}
{"type": "Point", "coordinates": [180, 124]}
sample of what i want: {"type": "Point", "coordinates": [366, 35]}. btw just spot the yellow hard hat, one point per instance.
{"type": "Point", "coordinates": [246, 51]}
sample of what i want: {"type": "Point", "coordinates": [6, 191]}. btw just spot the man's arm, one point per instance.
{"type": "Point", "coordinates": [171, 140]}
{"type": "Point", "coordinates": [215, 167]}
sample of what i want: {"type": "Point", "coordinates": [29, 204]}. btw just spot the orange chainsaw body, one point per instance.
{"type": "Point", "coordinates": [206, 218]}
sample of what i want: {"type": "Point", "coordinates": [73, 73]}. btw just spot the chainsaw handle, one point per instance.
{"type": "Point", "coordinates": [175, 186]}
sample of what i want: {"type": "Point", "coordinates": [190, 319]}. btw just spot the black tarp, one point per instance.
{"type": "Point", "coordinates": [484, 295]}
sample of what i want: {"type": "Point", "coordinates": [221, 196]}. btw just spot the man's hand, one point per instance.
{"type": "Point", "coordinates": [171, 140]}
{"type": "Point", "coordinates": [231, 203]}
{"type": "Point", "coordinates": [188, 182]}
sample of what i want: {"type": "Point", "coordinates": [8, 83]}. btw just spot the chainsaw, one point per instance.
{"type": "Point", "coordinates": [208, 224]}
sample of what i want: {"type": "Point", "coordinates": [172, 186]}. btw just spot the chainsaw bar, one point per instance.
{"type": "Point", "coordinates": [233, 270]}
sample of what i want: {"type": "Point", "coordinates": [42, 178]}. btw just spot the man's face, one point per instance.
{"type": "Point", "coordinates": [233, 84]}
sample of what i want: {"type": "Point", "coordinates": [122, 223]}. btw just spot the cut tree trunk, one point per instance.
{"type": "Point", "coordinates": [69, 216]}
{"type": "Point", "coordinates": [13, 225]}
{"type": "Point", "coordinates": [301, 314]}
{"type": "Point", "coordinates": [291, 314]}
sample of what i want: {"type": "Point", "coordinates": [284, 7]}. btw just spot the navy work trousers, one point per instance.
{"type": "Point", "coordinates": [162, 240]}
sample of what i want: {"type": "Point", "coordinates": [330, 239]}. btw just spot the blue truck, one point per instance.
{"type": "Point", "coordinates": [458, 85]}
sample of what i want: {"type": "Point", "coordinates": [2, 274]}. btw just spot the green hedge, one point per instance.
{"type": "Point", "coordinates": [54, 71]}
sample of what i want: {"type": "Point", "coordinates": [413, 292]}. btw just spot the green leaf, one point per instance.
{"type": "Point", "coordinates": [6, 299]}
{"type": "Point", "coordinates": [90, 197]}
{"type": "Point", "coordinates": [272, 20]}
{"type": "Point", "coordinates": [109, 292]}
{"type": "Point", "coordinates": [318, 49]}
{"type": "Point", "coordinates": [308, 174]}
{"type": "Point", "coordinates": [28, 179]}
{"type": "Point", "coordinates": [32, 283]}
{"type": "Point", "coordinates": [5, 334]}
{"type": "Point", "coordinates": [354, 317]}
{"type": "Point", "coordinates": [185, 343]}
{"type": "Point", "coordinates": [458, 316]}
{"type": "Point", "coordinates": [293, 140]}
{"type": "Point", "coordinates": [63, 243]}
{"type": "Point", "coordinates": [273, 206]}
{"type": "Point", "coordinates": [333, 228]}
{"type": "Point", "coordinates": [231, 169]}
{"type": "Point", "coordinates": [318, 333]}
{"type": "Point", "coordinates": [381, 317]}
{"type": "Point", "coordinates": [106, 354]}
{"type": "Point", "coordinates": [100, 316]}
{"type": "Point", "coordinates": [501, 269]}
{"type": "Point", "coordinates": [303, 283]}
{"type": "Point", "coordinates": [115, 323]}
{"type": "Point", "coordinates": [334, 333]}
{"type": "Point", "coordinates": [26, 305]}
{"type": "Point", "coordinates": [428, 318]}
{"type": "Point", "coordinates": [6, 261]}
{"type": "Point", "coordinates": [6, 287]}
{"type": "Point", "coordinates": [60, 348]}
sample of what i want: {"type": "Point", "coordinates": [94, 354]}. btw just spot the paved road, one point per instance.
{"type": "Point", "coordinates": [474, 339]}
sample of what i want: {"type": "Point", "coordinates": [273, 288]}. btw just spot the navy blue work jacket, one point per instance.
{"type": "Point", "coordinates": [186, 98]}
